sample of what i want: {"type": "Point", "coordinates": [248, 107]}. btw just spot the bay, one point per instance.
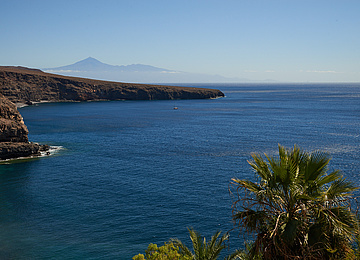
{"type": "Point", "coordinates": [132, 173]}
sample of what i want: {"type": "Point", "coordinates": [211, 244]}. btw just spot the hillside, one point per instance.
{"type": "Point", "coordinates": [21, 84]}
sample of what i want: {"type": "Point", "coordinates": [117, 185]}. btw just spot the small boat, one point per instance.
{"type": "Point", "coordinates": [175, 108]}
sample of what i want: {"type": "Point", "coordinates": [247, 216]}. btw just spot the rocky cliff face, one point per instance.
{"type": "Point", "coordinates": [14, 134]}
{"type": "Point", "coordinates": [12, 127]}
{"type": "Point", "coordinates": [23, 85]}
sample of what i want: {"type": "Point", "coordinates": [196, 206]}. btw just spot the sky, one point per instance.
{"type": "Point", "coordinates": [282, 40]}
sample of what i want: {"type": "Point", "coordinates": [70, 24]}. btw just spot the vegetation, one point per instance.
{"type": "Point", "coordinates": [165, 252]}
{"type": "Point", "coordinates": [177, 250]}
{"type": "Point", "coordinates": [203, 250]}
{"type": "Point", "coordinates": [295, 209]}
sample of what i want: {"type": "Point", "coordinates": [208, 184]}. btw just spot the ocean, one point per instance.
{"type": "Point", "coordinates": [130, 173]}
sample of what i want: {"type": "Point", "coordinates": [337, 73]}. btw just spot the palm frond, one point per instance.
{"type": "Point", "coordinates": [335, 175]}
{"type": "Point", "coordinates": [215, 246]}
{"type": "Point", "coordinates": [251, 219]}
{"type": "Point", "coordinates": [316, 165]}
{"type": "Point", "coordinates": [197, 244]}
{"type": "Point", "coordinates": [338, 221]}
{"type": "Point", "coordinates": [340, 188]}
{"type": "Point", "coordinates": [260, 166]}
{"type": "Point", "coordinates": [249, 185]}
{"type": "Point", "coordinates": [183, 248]}
{"type": "Point", "coordinates": [283, 153]}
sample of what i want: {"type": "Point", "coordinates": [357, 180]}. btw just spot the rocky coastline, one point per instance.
{"type": "Point", "coordinates": [24, 86]}
{"type": "Point", "coordinates": [14, 142]}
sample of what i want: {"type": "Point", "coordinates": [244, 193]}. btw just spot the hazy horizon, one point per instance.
{"type": "Point", "coordinates": [285, 41]}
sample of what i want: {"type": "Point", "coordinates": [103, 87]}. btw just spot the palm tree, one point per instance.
{"type": "Point", "coordinates": [296, 209]}
{"type": "Point", "coordinates": [205, 250]}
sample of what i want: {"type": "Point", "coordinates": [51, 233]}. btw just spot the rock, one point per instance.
{"type": "Point", "coordinates": [12, 127]}
{"type": "Point", "coordinates": [12, 150]}
{"type": "Point", "coordinates": [14, 141]}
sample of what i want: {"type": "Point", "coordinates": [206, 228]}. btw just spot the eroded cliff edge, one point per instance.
{"type": "Point", "coordinates": [20, 84]}
{"type": "Point", "coordinates": [14, 140]}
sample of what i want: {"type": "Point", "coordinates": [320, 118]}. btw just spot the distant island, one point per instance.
{"type": "Point", "coordinates": [25, 86]}
{"type": "Point", "coordinates": [135, 73]}
{"type": "Point", "coordinates": [92, 64]}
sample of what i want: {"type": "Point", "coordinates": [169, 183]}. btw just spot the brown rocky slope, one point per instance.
{"type": "Point", "coordinates": [20, 84]}
{"type": "Point", "coordinates": [14, 141]}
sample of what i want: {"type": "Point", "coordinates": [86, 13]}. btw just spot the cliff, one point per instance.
{"type": "Point", "coordinates": [20, 84]}
{"type": "Point", "coordinates": [12, 127]}
{"type": "Point", "coordinates": [14, 141]}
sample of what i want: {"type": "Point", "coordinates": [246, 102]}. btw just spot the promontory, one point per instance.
{"type": "Point", "coordinates": [21, 84]}
{"type": "Point", "coordinates": [26, 86]}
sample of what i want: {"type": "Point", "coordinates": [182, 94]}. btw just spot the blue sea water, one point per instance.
{"type": "Point", "coordinates": [132, 173]}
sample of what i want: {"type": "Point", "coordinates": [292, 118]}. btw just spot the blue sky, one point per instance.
{"type": "Point", "coordinates": [288, 40]}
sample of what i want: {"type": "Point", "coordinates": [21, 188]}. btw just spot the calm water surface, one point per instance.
{"type": "Point", "coordinates": [135, 172]}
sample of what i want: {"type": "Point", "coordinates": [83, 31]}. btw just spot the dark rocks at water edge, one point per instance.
{"type": "Point", "coordinates": [14, 141]}
{"type": "Point", "coordinates": [23, 85]}
{"type": "Point", "coordinates": [11, 150]}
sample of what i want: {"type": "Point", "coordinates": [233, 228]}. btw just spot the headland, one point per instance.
{"type": "Point", "coordinates": [20, 85]}
{"type": "Point", "coordinates": [24, 85]}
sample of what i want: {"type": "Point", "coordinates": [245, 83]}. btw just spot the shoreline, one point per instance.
{"type": "Point", "coordinates": [53, 150]}
{"type": "Point", "coordinates": [34, 103]}
{"type": "Point", "coordinates": [22, 104]}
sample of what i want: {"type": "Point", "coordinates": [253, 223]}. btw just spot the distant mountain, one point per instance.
{"type": "Point", "coordinates": [135, 73]}
{"type": "Point", "coordinates": [92, 64]}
